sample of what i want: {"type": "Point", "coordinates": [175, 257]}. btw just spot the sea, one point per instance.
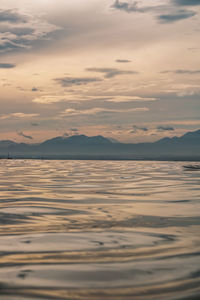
{"type": "Point", "coordinates": [97, 230]}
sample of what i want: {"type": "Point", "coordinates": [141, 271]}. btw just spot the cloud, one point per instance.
{"type": "Point", "coordinates": [65, 135]}
{"type": "Point", "coordinates": [35, 124]}
{"type": "Point", "coordinates": [99, 111]}
{"type": "Point", "coordinates": [34, 89]}
{"type": "Point", "coordinates": [119, 99]}
{"type": "Point", "coordinates": [17, 115]}
{"type": "Point", "coordinates": [7, 66]}
{"type": "Point", "coordinates": [176, 16]}
{"type": "Point", "coordinates": [123, 61]}
{"type": "Point", "coordinates": [74, 98]}
{"type": "Point", "coordinates": [138, 128]}
{"type": "Point", "coordinates": [110, 72]}
{"type": "Point", "coordinates": [193, 49]}
{"type": "Point", "coordinates": [74, 129]}
{"type": "Point", "coordinates": [179, 71]}
{"type": "Point", "coordinates": [165, 13]}
{"type": "Point", "coordinates": [22, 115]}
{"type": "Point", "coordinates": [135, 7]}
{"type": "Point", "coordinates": [47, 99]}
{"type": "Point", "coordinates": [12, 16]}
{"type": "Point", "coordinates": [129, 7]}
{"type": "Point", "coordinates": [187, 71]}
{"type": "Point", "coordinates": [184, 122]}
{"type": "Point", "coordinates": [71, 81]}
{"type": "Point", "coordinates": [186, 2]}
{"type": "Point", "coordinates": [21, 31]}
{"type": "Point", "coordinates": [25, 136]}
{"type": "Point", "coordinates": [75, 112]}
{"type": "Point", "coordinates": [142, 130]}
{"type": "Point", "coordinates": [165, 128]}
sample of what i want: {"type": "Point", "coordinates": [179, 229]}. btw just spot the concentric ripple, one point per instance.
{"type": "Point", "coordinates": [99, 230]}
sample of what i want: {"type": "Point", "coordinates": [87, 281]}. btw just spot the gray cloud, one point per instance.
{"type": "Point", "coordinates": [12, 16]}
{"type": "Point", "coordinates": [74, 129]}
{"type": "Point", "coordinates": [123, 61]}
{"type": "Point", "coordinates": [193, 49]}
{"type": "Point", "coordinates": [70, 81]}
{"type": "Point", "coordinates": [65, 135]}
{"type": "Point", "coordinates": [20, 32]}
{"type": "Point", "coordinates": [134, 7]}
{"type": "Point", "coordinates": [7, 66]}
{"type": "Point", "coordinates": [165, 128]}
{"type": "Point", "coordinates": [189, 72]}
{"type": "Point", "coordinates": [164, 13]}
{"type": "Point", "coordinates": [129, 6]}
{"type": "Point", "coordinates": [34, 89]}
{"type": "Point", "coordinates": [176, 16]}
{"type": "Point", "coordinates": [25, 136]}
{"type": "Point", "coordinates": [138, 128]}
{"type": "Point", "coordinates": [110, 72]}
{"type": "Point", "coordinates": [186, 2]}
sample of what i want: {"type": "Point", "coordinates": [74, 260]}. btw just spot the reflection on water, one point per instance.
{"type": "Point", "coordinates": [99, 230]}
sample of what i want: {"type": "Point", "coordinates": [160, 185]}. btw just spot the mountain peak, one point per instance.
{"type": "Point", "coordinates": [78, 139]}
{"type": "Point", "coordinates": [192, 134]}
{"type": "Point", "coordinates": [84, 139]}
{"type": "Point", "coordinates": [187, 138]}
{"type": "Point", "coordinates": [7, 143]}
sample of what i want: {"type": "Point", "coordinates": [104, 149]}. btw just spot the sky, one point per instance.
{"type": "Point", "coordinates": [128, 70]}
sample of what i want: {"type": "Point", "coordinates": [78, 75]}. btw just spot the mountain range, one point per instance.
{"type": "Point", "coordinates": [99, 147]}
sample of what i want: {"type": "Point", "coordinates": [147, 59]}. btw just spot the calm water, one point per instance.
{"type": "Point", "coordinates": [99, 230]}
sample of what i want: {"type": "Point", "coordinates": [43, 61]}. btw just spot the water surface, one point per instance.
{"type": "Point", "coordinates": [99, 230]}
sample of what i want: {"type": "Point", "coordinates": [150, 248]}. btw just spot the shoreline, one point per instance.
{"type": "Point", "coordinates": [103, 158]}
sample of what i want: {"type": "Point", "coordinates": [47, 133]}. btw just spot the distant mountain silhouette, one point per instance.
{"type": "Point", "coordinates": [6, 143]}
{"type": "Point", "coordinates": [190, 138]}
{"type": "Point", "coordinates": [78, 140]}
{"type": "Point", "coordinates": [98, 147]}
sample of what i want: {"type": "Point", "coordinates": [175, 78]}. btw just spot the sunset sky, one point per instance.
{"type": "Point", "coordinates": [129, 70]}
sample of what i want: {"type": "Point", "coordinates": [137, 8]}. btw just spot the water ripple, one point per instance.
{"type": "Point", "coordinates": [99, 230]}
